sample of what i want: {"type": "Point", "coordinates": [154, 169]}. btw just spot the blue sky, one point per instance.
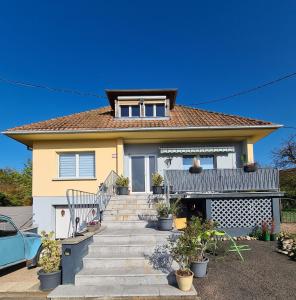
{"type": "Point", "coordinates": [206, 49]}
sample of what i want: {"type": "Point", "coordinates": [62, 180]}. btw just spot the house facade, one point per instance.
{"type": "Point", "coordinates": [140, 133]}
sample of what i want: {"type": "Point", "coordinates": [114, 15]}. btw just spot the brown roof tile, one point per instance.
{"type": "Point", "coordinates": [102, 118]}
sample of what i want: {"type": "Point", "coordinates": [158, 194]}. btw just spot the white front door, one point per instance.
{"type": "Point", "coordinates": [141, 169]}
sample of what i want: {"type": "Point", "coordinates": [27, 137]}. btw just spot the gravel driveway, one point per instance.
{"type": "Point", "coordinates": [265, 274]}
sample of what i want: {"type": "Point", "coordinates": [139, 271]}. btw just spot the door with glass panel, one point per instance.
{"type": "Point", "coordinates": [141, 169]}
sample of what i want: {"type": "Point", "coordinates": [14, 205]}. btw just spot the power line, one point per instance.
{"type": "Point", "coordinates": [246, 91]}
{"type": "Point", "coordinates": [51, 89]}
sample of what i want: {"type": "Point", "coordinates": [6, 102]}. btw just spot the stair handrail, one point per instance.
{"type": "Point", "coordinates": [85, 207]}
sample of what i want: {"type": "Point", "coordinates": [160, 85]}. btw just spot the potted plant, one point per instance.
{"type": "Point", "coordinates": [157, 181]}
{"type": "Point", "coordinates": [93, 226]}
{"type": "Point", "coordinates": [196, 168]}
{"type": "Point", "coordinates": [49, 261]}
{"type": "Point", "coordinates": [180, 252]}
{"type": "Point", "coordinates": [165, 214]}
{"type": "Point", "coordinates": [248, 167]}
{"type": "Point", "coordinates": [122, 185]}
{"type": "Point", "coordinates": [265, 231]}
{"type": "Point", "coordinates": [202, 235]}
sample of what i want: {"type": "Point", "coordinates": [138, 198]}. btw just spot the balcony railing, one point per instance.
{"type": "Point", "coordinates": [221, 180]}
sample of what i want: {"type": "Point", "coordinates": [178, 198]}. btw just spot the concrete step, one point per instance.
{"type": "Point", "coordinates": [135, 211]}
{"type": "Point", "coordinates": [129, 201]}
{"type": "Point", "coordinates": [117, 206]}
{"type": "Point", "coordinates": [126, 276]}
{"type": "Point", "coordinates": [131, 249]}
{"type": "Point", "coordinates": [131, 236]}
{"type": "Point", "coordinates": [130, 224]}
{"type": "Point", "coordinates": [139, 292]}
{"type": "Point", "coordinates": [129, 217]}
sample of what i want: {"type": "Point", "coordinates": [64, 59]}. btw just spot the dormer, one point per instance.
{"type": "Point", "coordinates": [142, 104]}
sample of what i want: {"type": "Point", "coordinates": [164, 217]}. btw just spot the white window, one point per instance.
{"type": "Point", "coordinates": [155, 110]}
{"type": "Point", "coordinates": [206, 161]}
{"type": "Point", "coordinates": [77, 165]}
{"type": "Point", "coordinates": [130, 111]}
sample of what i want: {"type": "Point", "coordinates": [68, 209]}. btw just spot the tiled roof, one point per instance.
{"type": "Point", "coordinates": [103, 118]}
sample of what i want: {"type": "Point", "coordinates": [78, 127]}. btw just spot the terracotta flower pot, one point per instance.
{"type": "Point", "coordinates": [184, 281]}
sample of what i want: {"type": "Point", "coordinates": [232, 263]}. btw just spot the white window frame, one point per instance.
{"type": "Point", "coordinates": [77, 157]}
{"type": "Point", "coordinates": [198, 156]}
{"type": "Point", "coordinates": [130, 111]}
{"type": "Point", "coordinates": [154, 110]}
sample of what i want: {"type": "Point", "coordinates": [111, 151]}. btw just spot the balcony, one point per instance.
{"type": "Point", "coordinates": [222, 181]}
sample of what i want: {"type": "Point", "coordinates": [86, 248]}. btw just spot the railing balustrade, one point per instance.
{"type": "Point", "coordinates": [85, 207]}
{"type": "Point", "coordinates": [221, 180]}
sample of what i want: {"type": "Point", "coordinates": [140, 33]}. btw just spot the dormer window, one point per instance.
{"type": "Point", "coordinates": [142, 104]}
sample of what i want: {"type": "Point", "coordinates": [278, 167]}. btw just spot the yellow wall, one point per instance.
{"type": "Point", "coordinates": [249, 150]}
{"type": "Point", "coordinates": [45, 165]}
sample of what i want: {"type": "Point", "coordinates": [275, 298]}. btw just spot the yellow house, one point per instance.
{"type": "Point", "coordinates": [140, 133]}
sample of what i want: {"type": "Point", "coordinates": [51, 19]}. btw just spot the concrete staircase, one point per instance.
{"type": "Point", "coordinates": [121, 261]}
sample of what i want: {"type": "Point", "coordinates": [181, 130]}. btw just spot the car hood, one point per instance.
{"type": "Point", "coordinates": [31, 235]}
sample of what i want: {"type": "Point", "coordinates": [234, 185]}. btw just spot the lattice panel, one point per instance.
{"type": "Point", "coordinates": [235, 213]}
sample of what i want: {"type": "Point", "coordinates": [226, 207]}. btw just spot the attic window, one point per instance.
{"type": "Point", "coordinates": [130, 111]}
{"type": "Point", "coordinates": [155, 110]}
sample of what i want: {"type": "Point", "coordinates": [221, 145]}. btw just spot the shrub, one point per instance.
{"type": "Point", "coordinates": [122, 181]}
{"type": "Point", "coordinates": [164, 210]}
{"type": "Point", "coordinates": [50, 258]}
{"type": "Point", "coordinates": [157, 179]}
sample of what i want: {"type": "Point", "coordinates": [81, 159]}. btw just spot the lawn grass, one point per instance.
{"type": "Point", "coordinates": [288, 216]}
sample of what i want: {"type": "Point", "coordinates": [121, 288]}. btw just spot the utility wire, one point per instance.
{"type": "Point", "coordinates": [52, 89]}
{"type": "Point", "coordinates": [243, 92]}
{"type": "Point", "coordinates": [87, 94]}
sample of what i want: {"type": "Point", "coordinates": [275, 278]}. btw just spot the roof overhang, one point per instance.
{"type": "Point", "coordinates": [168, 93]}
{"type": "Point", "coordinates": [157, 134]}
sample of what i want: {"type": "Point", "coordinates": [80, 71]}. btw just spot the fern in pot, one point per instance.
{"type": "Point", "coordinates": [49, 261]}
{"type": "Point", "coordinates": [165, 213]}
{"type": "Point", "coordinates": [122, 185]}
{"type": "Point", "coordinates": [157, 181]}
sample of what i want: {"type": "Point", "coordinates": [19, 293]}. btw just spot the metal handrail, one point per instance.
{"type": "Point", "coordinates": [85, 207]}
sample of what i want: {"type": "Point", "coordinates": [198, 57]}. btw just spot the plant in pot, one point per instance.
{"type": "Point", "coordinates": [122, 185]}
{"type": "Point", "coordinates": [157, 181]}
{"type": "Point", "coordinates": [165, 214]}
{"type": "Point", "coordinates": [202, 236]}
{"type": "Point", "coordinates": [180, 252]}
{"type": "Point", "coordinates": [196, 168]}
{"type": "Point", "coordinates": [265, 231]}
{"type": "Point", "coordinates": [93, 225]}
{"type": "Point", "coordinates": [49, 261]}
{"type": "Point", "coordinates": [272, 231]}
{"type": "Point", "coordinates": [248, 167]}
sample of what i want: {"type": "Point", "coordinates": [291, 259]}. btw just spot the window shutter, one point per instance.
{"type": "Point", "coordinates": [67, 165]}
{"type": "Point", "coordinates": [86, 165]}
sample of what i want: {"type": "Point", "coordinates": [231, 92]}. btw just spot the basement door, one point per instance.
{"type": "Point", "coordinates": [141, 169]}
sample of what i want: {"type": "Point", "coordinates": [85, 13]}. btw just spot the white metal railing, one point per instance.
{"type": "Point", "coordinates": [85, 207]}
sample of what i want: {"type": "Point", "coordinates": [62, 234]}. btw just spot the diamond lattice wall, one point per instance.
{"type": "Point", "coordinates": [235, 213]}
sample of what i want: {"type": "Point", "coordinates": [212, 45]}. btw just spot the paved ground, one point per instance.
{"type": "Point", "coordinates": [265, 274]}
{"type": "Point", "coordinates": [18, 282]}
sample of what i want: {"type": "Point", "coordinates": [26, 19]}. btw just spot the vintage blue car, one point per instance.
{"type": "Point", "coordinates": [17, 246]}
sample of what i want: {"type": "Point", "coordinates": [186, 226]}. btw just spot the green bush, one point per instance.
{"type": "Point", "coordinates": [122, 181]}
{"type": "Point", "coordinates": [157, 179]}
{"type": "Point", "coordinates": [50, 256]}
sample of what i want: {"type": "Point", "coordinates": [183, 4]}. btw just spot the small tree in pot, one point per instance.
{"type": "Point", "coordinates": [165, 214]}
{"type": "Point", "coordinates": [122, 185]}
{"type": "Point", "coordinates": [50, 273]}
{"type": "Point", "coordinates": [202, 235]}
{"type": "Point", "coordinates": [196, 167]}
{"type": "Point", "coordinates": [157, 181]}
{"type": "Point", "coordinates": [180, 250]}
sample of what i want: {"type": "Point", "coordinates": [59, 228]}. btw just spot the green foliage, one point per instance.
{"type": "Point", "coordinates": [164, 210]}
{"type": "Point", "coordinates": [16, 187]}
{"type": "Point", "coordinates": [256, 233]}
{"type": "Point", "coordinates": [202, 235]}
{"type": "Point", "coordinates": [50, 255]}
{"type": "Point", "coordinates": [122, 181]}
{"type": "Point", "coordinates": [180, 250]}
{"type": "Point", "coordinates": [157, 179]}
{"type": "Point", "coordinates": [288, 185]}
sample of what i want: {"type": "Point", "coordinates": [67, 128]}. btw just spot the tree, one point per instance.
{"type": "Point", "coordinates": [16, 187]}
{"type": "Point", "coordinates": [285, 156]}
